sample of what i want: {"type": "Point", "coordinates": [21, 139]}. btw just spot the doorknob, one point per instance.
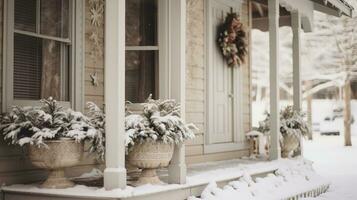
{"type": "Point", "coordinates": [230, 95]}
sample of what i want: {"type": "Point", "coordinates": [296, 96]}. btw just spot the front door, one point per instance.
{"type": "Point", "coordinates": [223, 81]}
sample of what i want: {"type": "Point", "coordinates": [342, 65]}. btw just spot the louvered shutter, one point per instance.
{"type": "Point", "coordinates": [27, 67]}
{"type": "Point", "coordinates": [25, 15]}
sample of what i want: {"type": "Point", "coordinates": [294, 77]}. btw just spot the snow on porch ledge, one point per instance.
{"type": "Point", "coordinates": [199, 176]}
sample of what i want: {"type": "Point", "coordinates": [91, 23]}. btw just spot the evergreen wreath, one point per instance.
{"type": "Point", "coordinates": [231, 40]}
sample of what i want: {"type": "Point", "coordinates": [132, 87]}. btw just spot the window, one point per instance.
{"type": "Point", "coordinates": [142, 50]}
{"type": "Point", "coordinates": [42, 56]}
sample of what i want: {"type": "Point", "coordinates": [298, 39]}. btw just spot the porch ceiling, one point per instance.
{"type": "Point", "coordinates": [306, 7]}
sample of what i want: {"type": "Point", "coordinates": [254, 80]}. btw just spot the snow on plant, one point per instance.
{"type": "Point", "coordinates": [159, 122]}
{"type": "Point", "coordinates": [97, 119]}
{"type": "Point", "coordinates": [35, 125]}
{"type": "Point", "coordinates": [291, 122]}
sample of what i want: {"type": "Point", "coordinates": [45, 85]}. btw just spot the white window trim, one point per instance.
{"type": "Point", "coordinates": [239, 142]}
{"type": "Point", "coordinates": [162, 47]}
{"type": "Point", "coordinates": [76, 93]}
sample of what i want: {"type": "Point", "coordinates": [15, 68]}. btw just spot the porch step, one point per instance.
{"type": "Point", "coordinates": [198, 177]}
{"type": "Point", "coordinates": [174, 193]}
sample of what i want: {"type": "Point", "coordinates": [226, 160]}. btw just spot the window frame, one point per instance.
{"type": "Point", "coordinates": [76, 60]}
{"type": "Point", "coordinates": [162, 85]}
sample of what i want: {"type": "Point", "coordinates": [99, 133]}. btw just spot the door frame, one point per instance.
{"type": "Point", "coordinates": [238, 130]}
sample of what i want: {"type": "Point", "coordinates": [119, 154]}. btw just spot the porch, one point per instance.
{"type": "Point", "coordinates": [266, 15]}
{"type": "Point", "coordinates": [198, 177]}
{"type": "Point", "coordinates": [184, 181]}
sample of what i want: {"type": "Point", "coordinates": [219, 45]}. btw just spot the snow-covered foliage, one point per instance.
{"type": "Point", "coordinates": [292, 122]}
{"type": "Point", "coordinates": [328, 55]}
{"type": "Point", "coordinates": [160, 121]}
{"type": "Point", "coordinates": [288, 181]}
{"type": "Point", "coordinates": [97, 120]}
{"type": "Point", "coordinates": [35, 125]}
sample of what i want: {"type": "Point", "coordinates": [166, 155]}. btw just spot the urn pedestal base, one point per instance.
{"type": "Point", "coordinates": [57, 180]}
{"type": "Point", "coordinates": [148, 176]}
{"type": "Point", "coordinates": [58, 155]}
{"type": "Point", "coordinates": [150, 156]}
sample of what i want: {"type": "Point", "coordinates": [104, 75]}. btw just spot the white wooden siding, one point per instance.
{"type": "Point", "coordinates": [16, 168]}
{"type": "Point", "coordinates": [196, 84]}
{"type": "Point", "coordinates": [14, 165]}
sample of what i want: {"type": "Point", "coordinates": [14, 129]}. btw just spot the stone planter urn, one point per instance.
{"type": "Point", "coordinates": [289, 144]}
{"type": "Point", "coordinates": [60, 154]}
{"type": "Point", "coordinates": [150, 156]}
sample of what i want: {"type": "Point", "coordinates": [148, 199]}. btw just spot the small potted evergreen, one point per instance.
{"type": "Point", "coordinates": [292, 128]}
{"type": "Point", "coordinates": [151, 136]}
{"type": "Point", "coordinates": [54, 137]}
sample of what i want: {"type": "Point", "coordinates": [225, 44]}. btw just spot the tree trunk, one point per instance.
{"type": "Point", "coordinates": [309, 109]}
{"type": "Point", "coordinates": [309, 115]}
{"type": "Point", "coordinates": [347, 113]}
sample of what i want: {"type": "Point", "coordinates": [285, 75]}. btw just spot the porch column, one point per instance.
{"type": "Point", "coordinates": [177, 168]}
{"type": "Point", "coordinates": [273, 6]}
{"type": "Point", "coordinates": [296, 28]}
{"type": "Point", "coordinates": [115, 172]}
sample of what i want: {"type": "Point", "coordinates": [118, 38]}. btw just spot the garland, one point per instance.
{"type": "Point", "coordinates": [231, 40]}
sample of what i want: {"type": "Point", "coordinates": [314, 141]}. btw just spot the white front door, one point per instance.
{"type": "Point", "coordinates": [223, 81]}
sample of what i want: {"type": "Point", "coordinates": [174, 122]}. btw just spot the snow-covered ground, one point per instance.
{"type": "Point", "coordinates": [293, 177]}
{"type": "Point", "coordinates": [335, 162]}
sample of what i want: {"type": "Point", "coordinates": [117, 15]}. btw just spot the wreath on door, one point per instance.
{"type": "Point", "coordinates": [232, 40]}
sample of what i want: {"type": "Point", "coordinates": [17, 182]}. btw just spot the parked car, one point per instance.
{"type": "Point", "coordinates": [330, 126]}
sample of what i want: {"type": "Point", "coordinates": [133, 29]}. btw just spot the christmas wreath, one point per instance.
{"type": "Point", "coordinates": [231, 40]}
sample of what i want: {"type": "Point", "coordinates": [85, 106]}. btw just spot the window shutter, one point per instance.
{"type": "Point", "coordinates": [25, 15]}
{"type": "Point", "coordinates": [27, 67]}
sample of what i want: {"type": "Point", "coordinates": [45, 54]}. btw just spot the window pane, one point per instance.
{"type": "Point", "coordinates": [141, 23]}
{"type": "Point", "coordinates": [140, 75]}
{"type": "Point", "coordinates": [39, 69]}
{"type": "Point", "coordinates": [55, 18]}
{"type": "Point", "coordinates": [25, 15]}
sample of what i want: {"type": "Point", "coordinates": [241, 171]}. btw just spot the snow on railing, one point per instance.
{"type": "Point", "coordinates": [291, 181]}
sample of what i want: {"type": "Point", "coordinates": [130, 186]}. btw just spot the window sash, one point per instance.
{"type": "Point", "coordinates": [64, 60]}
{"type": "Point", "coordinates": [75, 57]}
{"type": "Point", "coordinates": [38, 35]}
{"type": "Point", "coordinates": [142, 48]}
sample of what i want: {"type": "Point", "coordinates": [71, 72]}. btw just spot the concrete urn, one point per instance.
{"type": "Point", "coordinates": [150, 156]}
{"type": "Point", "coordinates": [59, 155]}
{"type": "Point", "coordinates": [289, 144]}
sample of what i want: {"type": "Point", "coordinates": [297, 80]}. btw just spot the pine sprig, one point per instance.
{"type": "Point", "coordinates": [159, 122]}
{"type": "Point", "coordinates": [291, 122]}
{"type": "Point", "coordinates": [36, 125]}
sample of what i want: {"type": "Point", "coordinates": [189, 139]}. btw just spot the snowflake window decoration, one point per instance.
{"type": "Point", "coordinates": [231, 40]}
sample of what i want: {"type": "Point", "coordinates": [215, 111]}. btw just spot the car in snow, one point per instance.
{"type": "Point", "coordinates": [330, 126]}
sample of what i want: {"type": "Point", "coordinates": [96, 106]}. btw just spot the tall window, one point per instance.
{"type": "Point", "coordinates": [142, 50]}
{"type": "Point", "coordinates": [44, 44]}
{"type": "Point", "coordinates": [41, 49]}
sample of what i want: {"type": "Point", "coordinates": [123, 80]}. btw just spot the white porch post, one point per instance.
{"type": "Point", "coordinates": [296, 28]}
{"type": "Point", "coordinates": [273, 6]}
{"type": "Point", "coordinates": [115, 172]}
{"type": "Point", "coordinates": [177, 168]}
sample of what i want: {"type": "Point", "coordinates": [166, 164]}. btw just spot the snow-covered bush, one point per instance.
{"type": "Point", "coordinates": [160, 121]}
{"type": "Point", "coordinates": [35, 125]}
{"type": "Point", "coordinates": [97, 119]}
{"type": "Point", "coordinates": [291, 122]}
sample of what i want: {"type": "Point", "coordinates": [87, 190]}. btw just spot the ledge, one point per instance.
{"type": "Point", "coordinates": [198, 177]}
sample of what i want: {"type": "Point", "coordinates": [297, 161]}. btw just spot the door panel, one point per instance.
{"type": "Point", "coordinates": [220, 81]}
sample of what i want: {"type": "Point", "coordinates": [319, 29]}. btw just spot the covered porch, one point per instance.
{"type": "Point", "coordinates": [185, 181]}
{"type": "Point", "coordinates": [266, 15]}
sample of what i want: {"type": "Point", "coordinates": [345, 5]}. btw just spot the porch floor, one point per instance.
{"type": "Point", "coordinates": [198, 177]}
